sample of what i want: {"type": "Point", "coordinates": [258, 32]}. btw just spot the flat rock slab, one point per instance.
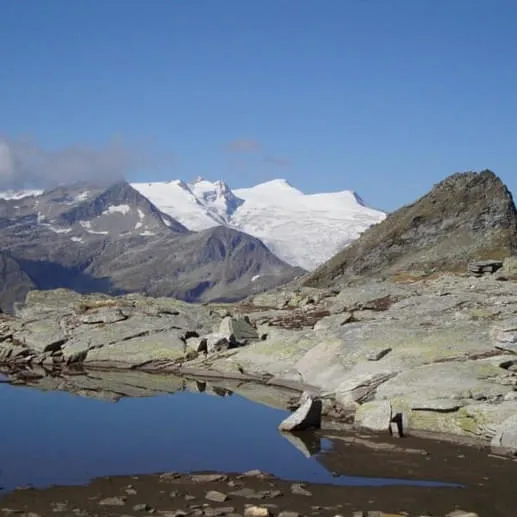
{"type": "Point", "coordinates": [41, 335]}
{"type": "Point", "coordinates": [163, 346]}
{"type": "Point", "coordinates": [441, 405]}
{"type": "Point", "coordinates": [374, 415]}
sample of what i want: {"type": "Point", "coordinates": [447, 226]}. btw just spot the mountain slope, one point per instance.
{"type": "Point", "coordinates": [115, 240]}
{"type": "Point", "coordinates": [14, 283]}
{"type": "Point", "coordinates": [304, 230]}
{"type": "Point", "coordinates": [465, 217]}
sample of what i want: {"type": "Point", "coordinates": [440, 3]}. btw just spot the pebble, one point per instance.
{"type": "Point", "coordinates": [299, 489]}
{"type": "Point", "coordinates": [208, 478]}
{"type": "Point", "coordinates": [256, 473]}
{"type": "Point", "coordinates": [287, 513]}
{"type": "Point", "coordinates": [130, 491]}
{"type": "Point", "coordinates": [60, 507]}
{"type": "Point", "coordinates": [215, 496]}
{"type": "Point", "coordinates": [169, 475]}
{"type": "Point", "coordinates": [256, 511]}
{"type": "Point", "coordinates": [217, 512]}
{"type": "Point", "coordinates": [143, 507]}
{"type": "Point", "coordinates": [248, 493]}
{"type": "Point", "coordinates": [113, 501]}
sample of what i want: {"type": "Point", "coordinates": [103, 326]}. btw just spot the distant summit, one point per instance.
{"type": "Point", "coordinates": [305, 230]}
{"type": "Point", "coordinates": [468, 216]}
{"type": "Point", "coordinates": [114, 240]}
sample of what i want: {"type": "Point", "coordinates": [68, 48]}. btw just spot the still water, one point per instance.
{"type": "Point", "coordinates": [51, 438]}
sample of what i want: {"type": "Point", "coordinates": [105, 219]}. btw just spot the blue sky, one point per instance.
{"type": "Point", "coordinates": [386, 97]}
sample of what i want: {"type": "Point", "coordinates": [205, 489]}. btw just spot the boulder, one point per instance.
{"type": "Point", "coordinates": [240, 328]}
{"type": "Point", "coordinates": [504, 335]}
{"type": "Point", "coordinates": [216, 342]}
{"type": "Point", "coordinates": [164, 346]}
{"type": "Point", "coordinates": [374, 415]}
{"type": "Point", "coordinates": [509, 269]}
{"type": "Point", "coordinates": [481, 267]}
{"type": "Point", "coordinates": [506, 435]}
{"type": "Point", "coordinates": [307, 416]}
{"type": "Point", "coordinates": [43, 335]}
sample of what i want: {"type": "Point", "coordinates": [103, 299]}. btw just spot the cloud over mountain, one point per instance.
{"type": "Point", "coordinates": [26, 163]}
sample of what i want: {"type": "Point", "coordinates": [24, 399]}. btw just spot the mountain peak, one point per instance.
{"type": "Point", "coordinates": [467, 216]}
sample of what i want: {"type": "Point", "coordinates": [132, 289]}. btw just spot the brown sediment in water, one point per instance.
{"type": "Point", "coordinates": [488, 486]}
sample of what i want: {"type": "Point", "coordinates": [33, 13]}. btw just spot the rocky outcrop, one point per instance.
{"type": "Point", "coordinates": [437, 354]}
{"type": "Point", "coordinates": [467, 217]}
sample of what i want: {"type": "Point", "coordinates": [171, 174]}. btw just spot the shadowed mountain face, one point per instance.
{"type": "Point", "coordinates": [468, 216]}
{"type": "Point", "coordinates": [114, 240]}
{"type": "Point", "coordinates": [14, 283]}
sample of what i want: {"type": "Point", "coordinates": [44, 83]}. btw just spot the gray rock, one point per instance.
{"type": "Point", "coordinates": [216, 342]}
{"type": "Point", "coordinates": [506, 435]}
{"type": "Point", "coordinates": [43, 335]}
{"type": "Point", "coordinates": [504, 335]}
{"type": "Point", "coordinates": [509, 269]}
{"type": "Point", "coordinates": [299, 489]}
{"type": "Point", "coordinates": [113, 501]}
{"type": "Point", "coordinates": [163, 346]}
{"type": "Point", "coordinates": [216, 512]}
{"type": "Point", "coordinates": [215, 496]}
{"type": "Point", "coordinates": [208, 478]}
{"type": "Point", "coordinates": [307, 416]}
{"type": "Point", "coordinates": [142, 507]}
{"type": "Point", "coordinates": [375, 415]}
{"type": "Point", "coordinates": [378, 354]}
{"type": "Point", "coordinates": [440, 405]}
{"type": "Point", "coordinates": [256, 511]}
{"type": "Point", "coordinates": [103, 315]}
{"type": "Point", "coordinates": [248, 493]}
{"type": "Point", "coordinates": [240, 328]}
{"type": "Point", "coordinates": [481, 267]}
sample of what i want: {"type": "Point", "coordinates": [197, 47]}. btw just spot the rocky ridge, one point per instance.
{"type": "Point", "coordinates": [468, 216]}
{"type": "Point", "coordinates": [439, 354]}
{"type": "Point", "coordinates": [114, 240]}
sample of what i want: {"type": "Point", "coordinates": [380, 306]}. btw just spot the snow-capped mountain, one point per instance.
{"type": "Point", "coordinates": [113, 239]}
{"type": "Point", "coordinates": [303, 229]}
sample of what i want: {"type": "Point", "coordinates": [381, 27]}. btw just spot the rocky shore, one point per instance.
{"type": "Point", "coordinates": [252, 494]}
{"type": "Point", "coordinates": [436, 354]}
{"type": "Point", "coordinates": [468, 483]}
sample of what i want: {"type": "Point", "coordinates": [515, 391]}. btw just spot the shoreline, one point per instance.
{"type": "Point", "coordinates": [438, 354]}
{"type": "Point", "coordinates": [293, 390]}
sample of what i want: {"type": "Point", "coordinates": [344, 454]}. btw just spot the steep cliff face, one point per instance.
{"type": "Point", "coordinates": [467, 216]}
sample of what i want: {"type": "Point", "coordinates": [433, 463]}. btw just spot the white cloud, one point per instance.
{"type": "Point", "coordinates": [25, 163]}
